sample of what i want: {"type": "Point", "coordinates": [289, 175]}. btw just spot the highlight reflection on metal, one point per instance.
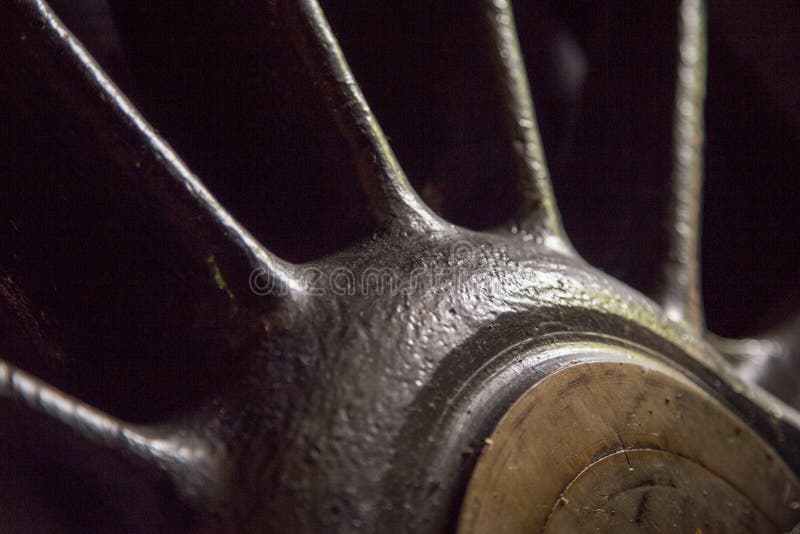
{"type": "Point", "coordinates": [189, 458]}
{"type": "Point", "coordinates": [386, 185]}
{"type": "Point", "coordinates": [682, 294]}
{"type": "Point", "coordinates": [539, 212]}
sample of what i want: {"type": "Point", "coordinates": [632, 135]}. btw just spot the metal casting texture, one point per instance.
{"type": "Point", "coordinates": [682, 297]}
{"type": "Point", "coordinates": [538, 210]}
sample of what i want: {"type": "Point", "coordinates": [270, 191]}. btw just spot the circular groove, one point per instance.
{"type": "Point", "coordinates": [587, 411]}
{"type": "Point", "coordinates": [645, 490]}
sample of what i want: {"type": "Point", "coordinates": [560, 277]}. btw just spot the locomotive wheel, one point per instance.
{"type": "Point", "coordinates": [422, 377]}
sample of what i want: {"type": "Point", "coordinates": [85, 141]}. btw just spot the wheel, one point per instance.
{"type": "Point", "coordinates": [415, 367]}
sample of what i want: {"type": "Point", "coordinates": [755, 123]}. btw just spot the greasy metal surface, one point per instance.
{"type": "Point", "coordinates": [605, 402]}
{"type": "Point", "coordinates": [352, 393]}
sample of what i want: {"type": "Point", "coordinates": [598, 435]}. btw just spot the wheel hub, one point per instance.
{"type": "Point", "coordinates": [620, 440]}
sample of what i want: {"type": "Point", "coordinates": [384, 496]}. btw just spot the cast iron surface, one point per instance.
{"type": "Point", "coordinates": [161, 369]}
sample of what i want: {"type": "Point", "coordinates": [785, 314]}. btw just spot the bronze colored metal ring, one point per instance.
{"type": "Point", "coordinates": [623, 442]}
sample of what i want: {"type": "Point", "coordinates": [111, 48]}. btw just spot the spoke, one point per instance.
{"type": "Point", "coordinates": [390, 195]}
{"type": "Point", "coordinates": [146, 158]}
{"type": "Point", "coordinates": [682, 298]}
{"type": "Point", "coordinates": [193, 463]}
{"type": "Point", "coordinates": [538, 209]}
{"type": "Point", "coordinates": [770, 360]}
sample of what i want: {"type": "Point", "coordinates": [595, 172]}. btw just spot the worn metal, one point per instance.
{"type": "Point", "coordinates": [386, 185]}
{"type": "Point", "coordinates": [357, 392]}
{"type": "Point", "coordinates": [682, 297]}
{"type": "Point", "coordinates": [673, 443]}
{"type": "Point", "coordinates": [538, 210]}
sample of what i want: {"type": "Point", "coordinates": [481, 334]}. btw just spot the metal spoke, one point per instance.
{"type": "Point", "coordinates": [193, 463]}
{"type": "Point", "coordinates": [389, 192]}
{"type": "Point", "coordinates": [682, 297]}
{"type": "Point", "coordinates": [538, 209]}
{"type": "Point", "coordinates": [769, 360]}
{"type": "Point", "coordinates": [144, 156]}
